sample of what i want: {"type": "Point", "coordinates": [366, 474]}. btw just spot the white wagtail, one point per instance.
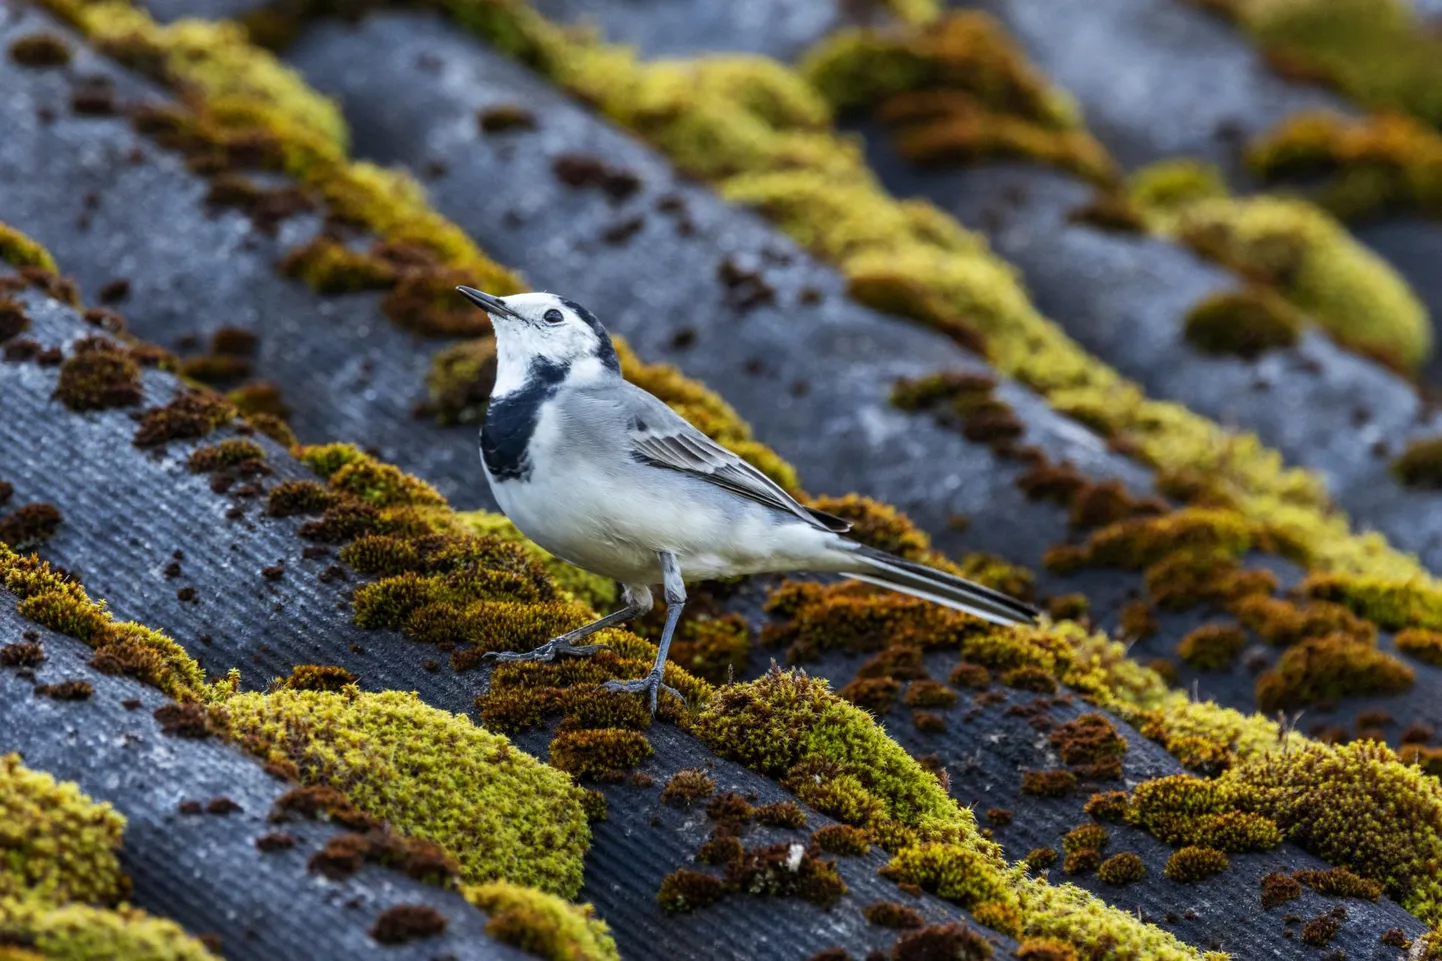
{"type": "Point", "coordinates": [607, 477]}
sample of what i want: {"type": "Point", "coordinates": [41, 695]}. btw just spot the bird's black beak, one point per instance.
{"type": "Point", "coordinates": [491, 305]}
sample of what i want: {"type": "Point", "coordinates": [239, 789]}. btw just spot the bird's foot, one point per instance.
{"type": "Point", "coordinates": [549, 651]}
{"type": "Point", "coordinates": [651, 685]}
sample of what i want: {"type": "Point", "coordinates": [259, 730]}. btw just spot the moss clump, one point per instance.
{"type": "Point", "coordinates": [599, 753]}
{"type": "Point", "coordinates": [1371, 165]}
{"type": "Point", "coordinates": [1108, 806]}
{"type": "Point", "coordinates": [13, 318]}
{"type": "Point", "coordinates": [56, 602]}
{"type": "Point", "coordinates": [29, 525]}
{"type": "Point", "coordinates": [949, 940]}
{"type": "Point", "coordinates": [1278, 888]}
{"type": "Point", "coordinates": [542, 924]}
{"type": "Point", "coordinates": [1246, 324]}
{"type": "Point", "coordinates": [190, 415]}
{"type": "Point", "coordinates": [889, 914]}
{"type": "Point", "coordinates": [1212, 647]}
{"type": "Point", "coordinates": [395, 757]}
{"type": "Point", "coordinates": [1088, 837]}
{"type": "Point", "coordinates": [685, 890]}
{"type": "Point", "coordinates": [1420, 465]}
{"type": "Point", "coordinates": [1285, 623]}
{"type": "Point", "coordinates": [1192, 864]}
{"type": "Point", "coordinates": [1091, 746]}
{"type": "Point", "coordinates": [1327, 669]}
{"type": "Point", "coordinates": [1340, 883]}
{"type": "Point", "coordinates": [98, 375]}
{"type": "Point", "coordinates": [1299, 252]}
{"type": "Point", "coordinates": [686, 787]}
{"type": "Point", "coordinates": [319, 677]}
{"type": "Point", "coordinates": [1389, 604]}
{"type": "Point", "coordinates": [40, 50]}
{"type": "Point", "coordinates": [232, 452]}
{"type": "Point", "coordinates": [1187, 810]}
{"type": "Point", "coordinates": [459, 382]}
{"type": "Point", "coordinates": [958, 90]}
{"type": "Point", "coordinates": [1048, 783]}
{"type": "Point", "coordinates": [1423, 644]}
{"type": "Point", "coordinates": [950, 871]}
{"type": "Point", "coordinates": [842, 839]}
{"type": "Point", "coordinates": [60, 845]}
{"type": "Point", "coordinates": [1122, 869]}
{"type": "Point", "coordinates": [1377, 53]}
{"type": "Point", "coordinates": [1039, 859]}
{"type": "Point", "coordinates": [77, 931]}
{"type": "Point", "coordinates": [1359, 807]}
{"type": "Point", "coordinates": [18, 250]}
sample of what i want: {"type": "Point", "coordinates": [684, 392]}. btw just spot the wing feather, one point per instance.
{"type": "Point", "coordinates": [677, 445]}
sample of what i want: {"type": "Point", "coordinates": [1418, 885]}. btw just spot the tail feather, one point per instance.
{"type": "Point", "coordinates": [887, 570]}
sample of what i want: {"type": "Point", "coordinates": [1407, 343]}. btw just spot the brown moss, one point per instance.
{"type": "Point", "coordinates": [782, 814]}
{"type": "Point", "coordinates": [22, 654]}
{"type": "Point", "coordinates": [502, 118]}
{"type": "Point", "coordinates": [184, 720]}
{"type": "Point", "coordinates": [323, 801]}
{"type": "Point", "coordinates": [1122, 869]}
{"type": "Point", "coordinates": [1327, 669]}
{"type": "Point", "coordinates": [927, 693]}
{"type": "Point", "coordinates": [1245, 324]}
{"type": "Point", "coordinates": [291, 498]}
{"type": "Point", "coordinates": [1088, 742]}
{"type": "Point", "coordinates": [599, 753]}
{"type": "Point", "coordinates": [685, 890]}
{"type": "Point", "coordinates": [29, 525]}
{"type": "Point", "coordinates": [874, 694]}
{"type": "Point", "coordinates": [841, 839]}
{"type": "Point", "coordinates": [1192, 864]}
{"type": "Point", "coordinates": [1339, 882]}
{"type": "Point", "coordinates": [190, 415]}
{"type": "Point", "coordinates": [889, 914]}
{"type": "Point", "coordinates": [13, 318]}
{"type": "Point", "coordinates": [686, 787]}
{"type": "Point", "coordinates": [1285, 623]}
{"type": "Point", "coordinates": [1277, 889]}
{"type": "Point", "coordinates": [950, 940]}
{"type": "Point", "coordinates": [1048, 783]}
{"type": "Point", "coordinates": [40, 50]}
{"type": "Point", "coordinates": [1030, 678]}
{"type": "Point", "coordinates": [1045, 949]}
{"type": "Point", "coordinates": [401, 923]}
{"type": "Point", "coordinates": [231, 452]}
{"type": "Point", "coordinates": [1420, 464]}
{"type": "Point", "coordinates": [1212, 647]}
{"type": "Point", "coordinates": [71, 690]}
{"type": "Point", "coordinates": [974, 676]}
{"type": "Point", "coordinates": [98, 375]}
{"type": "Point", "coordinates": [1108, 806]}
{"type": "Point", "coordinates": [1419, 642]}
{"type": "Point", "coordinates": [1319, 931]}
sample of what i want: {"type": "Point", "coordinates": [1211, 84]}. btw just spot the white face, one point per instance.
{"type": "Point", "coordinates": [544, 329]}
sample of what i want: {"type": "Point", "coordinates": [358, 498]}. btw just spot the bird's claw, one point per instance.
{"type": "Point", "coordinates": [651, 684]}
{"type": "Point", "coordinates": [549, 651]}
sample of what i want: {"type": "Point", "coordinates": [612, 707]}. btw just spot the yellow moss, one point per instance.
{"type": "Point", "coordinates": [1074, 916]}
{"type": "Point", "coordinates": [542, 924]}
{"type": "Point", "coordinates": [1372, 164]}
{"type": "Point", "coordinates": [1423, 644]}
{"type": "Point", "coordinates": [62, 605]}
{"type": "Point", "coordinates": [1296, 249]}
{"type": "Point", "coordinates": [1375, 51]}
{"type": "Point", "coordinates": [597, 591]}
{"type": "Point", "coordinates": [58, 844]}
{"type": "Point", "coordinates": [1356, 806]}
{"type": "Point", "coordinates": [1246, 323]}
{"type": "Point", "coordinates": [1392, 604]}
{"type": "Point", "coordinates": [79, 932]}
{"type": "Point", "coordinates": [18, 250]}
{"type": "Point", "coordinates": [430, 774]}
{"type": "Point", "coordinates": [1329, 668]}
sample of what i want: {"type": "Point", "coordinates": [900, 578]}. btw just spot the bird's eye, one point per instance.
{"type": "Point", "coordinates": [552, 316]}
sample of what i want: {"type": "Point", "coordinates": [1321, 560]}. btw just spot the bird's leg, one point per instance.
{"type": "Point", "coordinates": [652, 684]}
{"type": "Point", "coordinates": [637, 603]}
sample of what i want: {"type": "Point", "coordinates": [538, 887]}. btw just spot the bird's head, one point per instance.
{"type": "Point", "coordinates": [543, 331]}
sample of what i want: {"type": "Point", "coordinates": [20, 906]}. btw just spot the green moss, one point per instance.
{"type": "Point", "coordinates": [18, 250]}
{"type": "Point", "coordinates": [1295, 249]}
{"type": "Point", "coordinates": [1186, 810]}
{"type": "Point", "coordinates": [192, 414]}
{"type": "Point", "coordinates": [951, 871]}
{"type": "Point", "coordinates": [1245, 324]}
{"type": "Point", "coordinates": [1069, 914]}
{"type": "Point", "coordinates": [429, 773]}
{"type": "Point", "coordinates": [77, 932]}
{"type": "Point", "coordinates": [98, 375]}
{"type": "Point", "coordinates": [1390, 604]}
{"type": "Point", "coordinates": [59, 845]}
{"type": "Point", "coordinates": [542, 924]}
{"type": "Point", "coordinates": [228, 453]}
{"type": "Point", "coordinates": [1192, 864]}
{"type": "Point", "coordinates": [1340, 883]}
{"type": "Point", "coordinates": [1377, 52]}
{"type": "Point", "coordinates": [1356, 806]}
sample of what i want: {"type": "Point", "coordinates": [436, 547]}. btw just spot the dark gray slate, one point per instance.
{"type": "Point", "coordinates": [685, 28]}
{"type": "Point", "coordinates": [204, 870]}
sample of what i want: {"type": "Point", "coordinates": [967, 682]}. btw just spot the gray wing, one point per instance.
{"type": "Point", "coordinates": [660, 436]}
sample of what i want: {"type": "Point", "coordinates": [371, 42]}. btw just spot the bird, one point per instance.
{"type": "Point", "coordinates": [604, 475]}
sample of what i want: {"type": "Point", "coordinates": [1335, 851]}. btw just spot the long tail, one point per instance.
{"type": "Point", "coordinates": [918, 580]}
